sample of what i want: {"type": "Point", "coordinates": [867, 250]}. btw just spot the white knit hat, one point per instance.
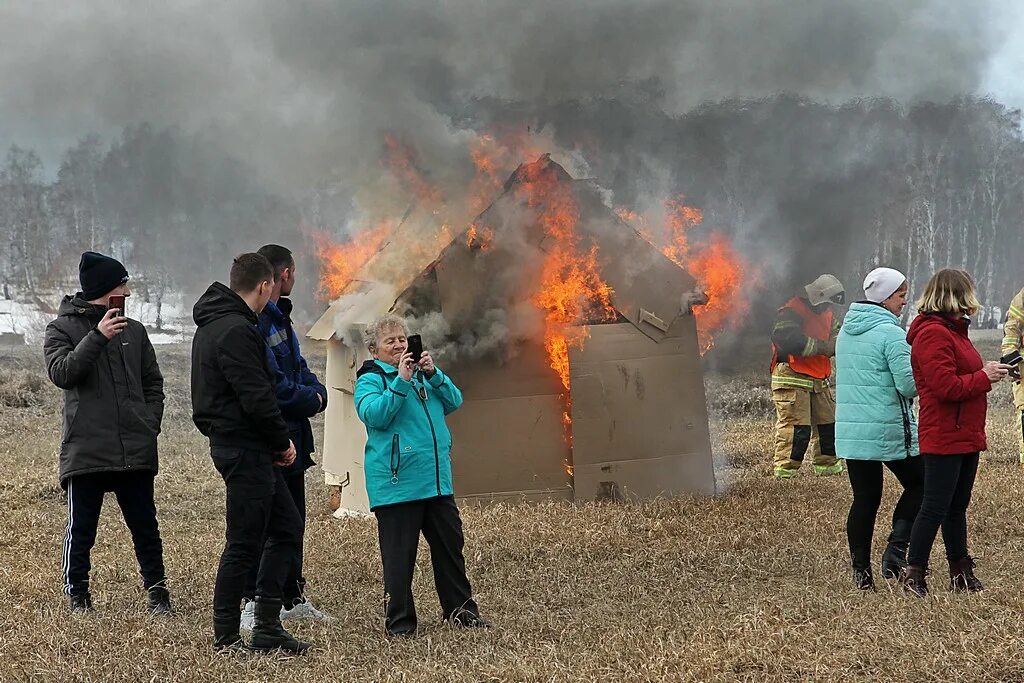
{"type": "Point", "coordinates": [881, 283]}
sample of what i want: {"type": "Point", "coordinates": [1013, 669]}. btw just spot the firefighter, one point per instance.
{"type": "Point", "coordinates": [1012, 331]}
{"type": "Point", "coordinates": [803, 343]}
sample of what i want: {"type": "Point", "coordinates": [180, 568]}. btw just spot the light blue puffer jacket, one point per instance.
{"type": "Point", "coordinates": [408, 445]}
{"type": "Point", "coordinates": [874, 387]}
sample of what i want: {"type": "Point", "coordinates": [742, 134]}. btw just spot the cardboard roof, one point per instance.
{"type": "Point", "coordinates": [649, 290]}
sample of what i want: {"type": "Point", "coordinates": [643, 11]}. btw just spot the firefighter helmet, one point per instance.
{"type": "Point", "coordinates": [827, 288]}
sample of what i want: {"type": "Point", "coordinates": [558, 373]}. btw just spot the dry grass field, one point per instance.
{"type": "Point", "coordinates": [751, 585]}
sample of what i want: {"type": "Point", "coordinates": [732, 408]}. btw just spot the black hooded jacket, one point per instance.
{"type": "Point", "coordinates": [233, 400]}
{"type": "Point", "coordinates": [113, 392]}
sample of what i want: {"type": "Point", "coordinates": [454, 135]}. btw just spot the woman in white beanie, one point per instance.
{"type": "Point", "coordinates": [875, 423]}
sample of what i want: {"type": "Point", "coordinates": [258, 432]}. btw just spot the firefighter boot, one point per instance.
{"type": "Point", "coordinates": [894, 558]}
{"type": "Point", "coordinates": [962, 578]}
{"type": "Point", "coordinates": [267, 633]}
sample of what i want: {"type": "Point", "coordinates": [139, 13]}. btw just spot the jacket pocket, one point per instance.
{"type": "Point", "coordinates": [70, 416]}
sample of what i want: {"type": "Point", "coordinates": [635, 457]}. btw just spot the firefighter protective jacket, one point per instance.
{"type": "Point", "coordinates": [805, 341]}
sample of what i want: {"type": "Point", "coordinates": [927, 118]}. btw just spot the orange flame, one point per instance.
{"type": "Point", "coordinates": [719, 269]}
{"type": "Point", "coordinates": [340, 263]}
{"type": "Point", "coordinates": [571, 290]}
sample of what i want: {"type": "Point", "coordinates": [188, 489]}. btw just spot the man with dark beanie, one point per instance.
{"type": "Point", "coordinates": [233, 403]}
{"type": "Point", "coordinates": [113, 407]}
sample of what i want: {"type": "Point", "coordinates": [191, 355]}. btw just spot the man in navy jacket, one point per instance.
{"type": "Point", "coordinates": [300, 396]}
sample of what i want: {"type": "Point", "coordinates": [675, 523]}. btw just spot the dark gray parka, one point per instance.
{"type": "Point", "coordinates": [113, 392]}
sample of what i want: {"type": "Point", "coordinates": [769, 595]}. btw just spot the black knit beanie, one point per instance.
{"type": "Point", "coordinates": [99, 275]}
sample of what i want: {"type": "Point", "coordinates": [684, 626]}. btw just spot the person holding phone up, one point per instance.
{"type": "Point", "coordinates": [403, 398]}
{"type": "Point", "coordinates": [113, 407]}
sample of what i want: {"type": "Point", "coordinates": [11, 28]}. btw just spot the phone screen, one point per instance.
{"type": "Point", "coordinates": [415, 347]}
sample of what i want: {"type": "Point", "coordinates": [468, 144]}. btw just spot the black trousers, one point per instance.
{"type": "Point", "coordinates": [295, 583]}
{"type": "Point", "coordinates": [263, 528]}
{"type": "Point", "coordinates": [134, 493]}
{"type": "Point", "coordinates": [399, 528]}
{"type": "Point", "coordinates": [866, 482]}
{"type": "Point", "coordinates": [948, 483]}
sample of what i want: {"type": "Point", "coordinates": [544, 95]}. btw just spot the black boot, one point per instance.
{"type": "Point", "coordinates": [962, 578]}
{"type": "Point", "coordinates": [268, 635]}
{"type": "Point", "coordinates": [158, 600]}
{"type": "Point", "coordinates": [894, 559]}
{"type": "Point", "coordinates": [913, 580]}
{"type": "Point", "coordinates": [80, 602]}
{"type": "Point", "coordinates": [225, 629]}
{"type": "Point", "coordinates": [863, 579]}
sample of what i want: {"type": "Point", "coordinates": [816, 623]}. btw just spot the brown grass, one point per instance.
{"type": "Point", "coordinates": [751, 585]}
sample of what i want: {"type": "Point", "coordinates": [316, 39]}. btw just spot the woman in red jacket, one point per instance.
{"type": "Point", "coordinates": [952, 382]}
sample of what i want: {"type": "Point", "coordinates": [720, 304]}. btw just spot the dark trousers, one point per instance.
{"type": "Point", "coordinates": [263, 528]}
{"type": "Point", "coordinates": [866, 482]}
{"type": "Point", "coordinates": [134, 493]}
{"type": "Point", "coordinates": [295, 583]}
{"type": "Point", "coordinates": [948, 482]}
{"type": "Point", "coordinates": [398, 528]}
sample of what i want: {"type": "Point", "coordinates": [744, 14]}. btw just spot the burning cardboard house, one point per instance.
{"type": "Point", "coordinates": [606, 401]}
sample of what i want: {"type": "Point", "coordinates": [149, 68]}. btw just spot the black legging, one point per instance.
{"type": "Point", "coordinates": [948, 482]}
{"type": "Point", "coordinates": [866, 482]}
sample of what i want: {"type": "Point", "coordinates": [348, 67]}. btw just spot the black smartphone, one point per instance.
{"type": "Point", "coordinates": [1013, 359]}
{"type": "Point", "coordinates": [415, 347]}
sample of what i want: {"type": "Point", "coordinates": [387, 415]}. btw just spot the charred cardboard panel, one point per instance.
{"type": "Point", "coordinates": [639, 415]}
{"type": "Point", "coordinates": [508, 440]}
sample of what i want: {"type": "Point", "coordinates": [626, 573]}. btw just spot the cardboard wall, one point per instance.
{"type": "Point", "coordinates": [640, 425]}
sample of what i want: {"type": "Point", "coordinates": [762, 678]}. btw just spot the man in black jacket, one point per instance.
{"type": "Point", "coordinates": [113, 406]}
{"type": "Point", "coordinates": [233, 403]}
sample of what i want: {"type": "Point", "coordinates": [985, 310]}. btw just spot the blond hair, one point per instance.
{"type": "Point", "coordinates": [382, 324]}
{"type": "Point", "coordinates": [950, 291]}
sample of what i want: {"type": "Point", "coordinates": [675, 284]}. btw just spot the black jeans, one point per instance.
{"type": "Point", "coordinates": [948, 482]}
{"type": "Point", "coordinates": [866, 482]}
{"type": "Point", "coordinates": [398, 528]}
{"type": "Point", "coordinates": [263, 528]}
{"type": "Point", "coordinates": [134, 493]}
{"type": "Point", "coordinates": [295, 584]}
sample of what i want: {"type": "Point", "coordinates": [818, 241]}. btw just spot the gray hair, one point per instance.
{"type": "Point", "coordinates": [380, 325]}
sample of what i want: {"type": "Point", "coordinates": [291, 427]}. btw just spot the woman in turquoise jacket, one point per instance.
{"type": "Point", "coordinates": [403, 403]}
{"type": "Point", "coordinates": [875, 423]}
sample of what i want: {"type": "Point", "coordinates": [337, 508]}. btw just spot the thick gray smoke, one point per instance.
{"type": "Point", "coordinates": [302, 89]}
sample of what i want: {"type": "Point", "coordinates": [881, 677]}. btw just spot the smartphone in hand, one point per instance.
{"type": "Point", "coordinates": [1013, 359]}
{"type": "Point", "coordinates": [116, 301]}
{"type": "Point", "coordinates": [415, 347]}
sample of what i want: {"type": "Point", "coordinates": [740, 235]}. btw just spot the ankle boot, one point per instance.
{"type": "Point", "coordinates": [225, 630]}
{"type": "Point", "coordinates": [962, 578]}
{"type": "Point", "coordinates": [268, 634]}
{"type": "Point", "coordinates": [863, 579]}
{"type": "Point", "coordinates": [895, 556]}
{"type": "Point", "coordinates": [912, 580]}
{"type": "Point", "coordinates": [80, 602]}
{"type": "Point", "coordinates": [158, 601]}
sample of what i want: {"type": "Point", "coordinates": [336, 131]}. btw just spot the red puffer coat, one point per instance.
{"type": "Point", "coordinates": [951, 385]}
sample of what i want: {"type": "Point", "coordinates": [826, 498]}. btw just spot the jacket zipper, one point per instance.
{"type": "Point", "coordinates": [396, 458]}
{"type": "Point", "coordinates": [117, 406]}
{"type": "Point", "coordinates": [959, 409]}
{"type": "Point", "coordinates": [433, 436]}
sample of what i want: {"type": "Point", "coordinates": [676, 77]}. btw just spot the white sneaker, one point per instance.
{"type": "Point", "coordinates": [304, 610]}
{"type": "Point", "coordinates": [248, 616]}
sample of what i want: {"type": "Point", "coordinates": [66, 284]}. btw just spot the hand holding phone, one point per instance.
{"type": "Point", "coordinates": [115, 313]}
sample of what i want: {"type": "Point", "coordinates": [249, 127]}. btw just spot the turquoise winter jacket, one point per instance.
{"type": "Point", "coordinates": [875, 387]}
{"type": "Point", "coordinates": [408, 445]}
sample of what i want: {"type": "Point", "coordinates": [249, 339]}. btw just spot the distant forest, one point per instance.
{"type": "Point", "coordinates": [804, 187]}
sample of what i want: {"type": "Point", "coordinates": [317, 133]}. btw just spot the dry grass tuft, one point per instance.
{"type": "Point", "coordinates": [749, 586]}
